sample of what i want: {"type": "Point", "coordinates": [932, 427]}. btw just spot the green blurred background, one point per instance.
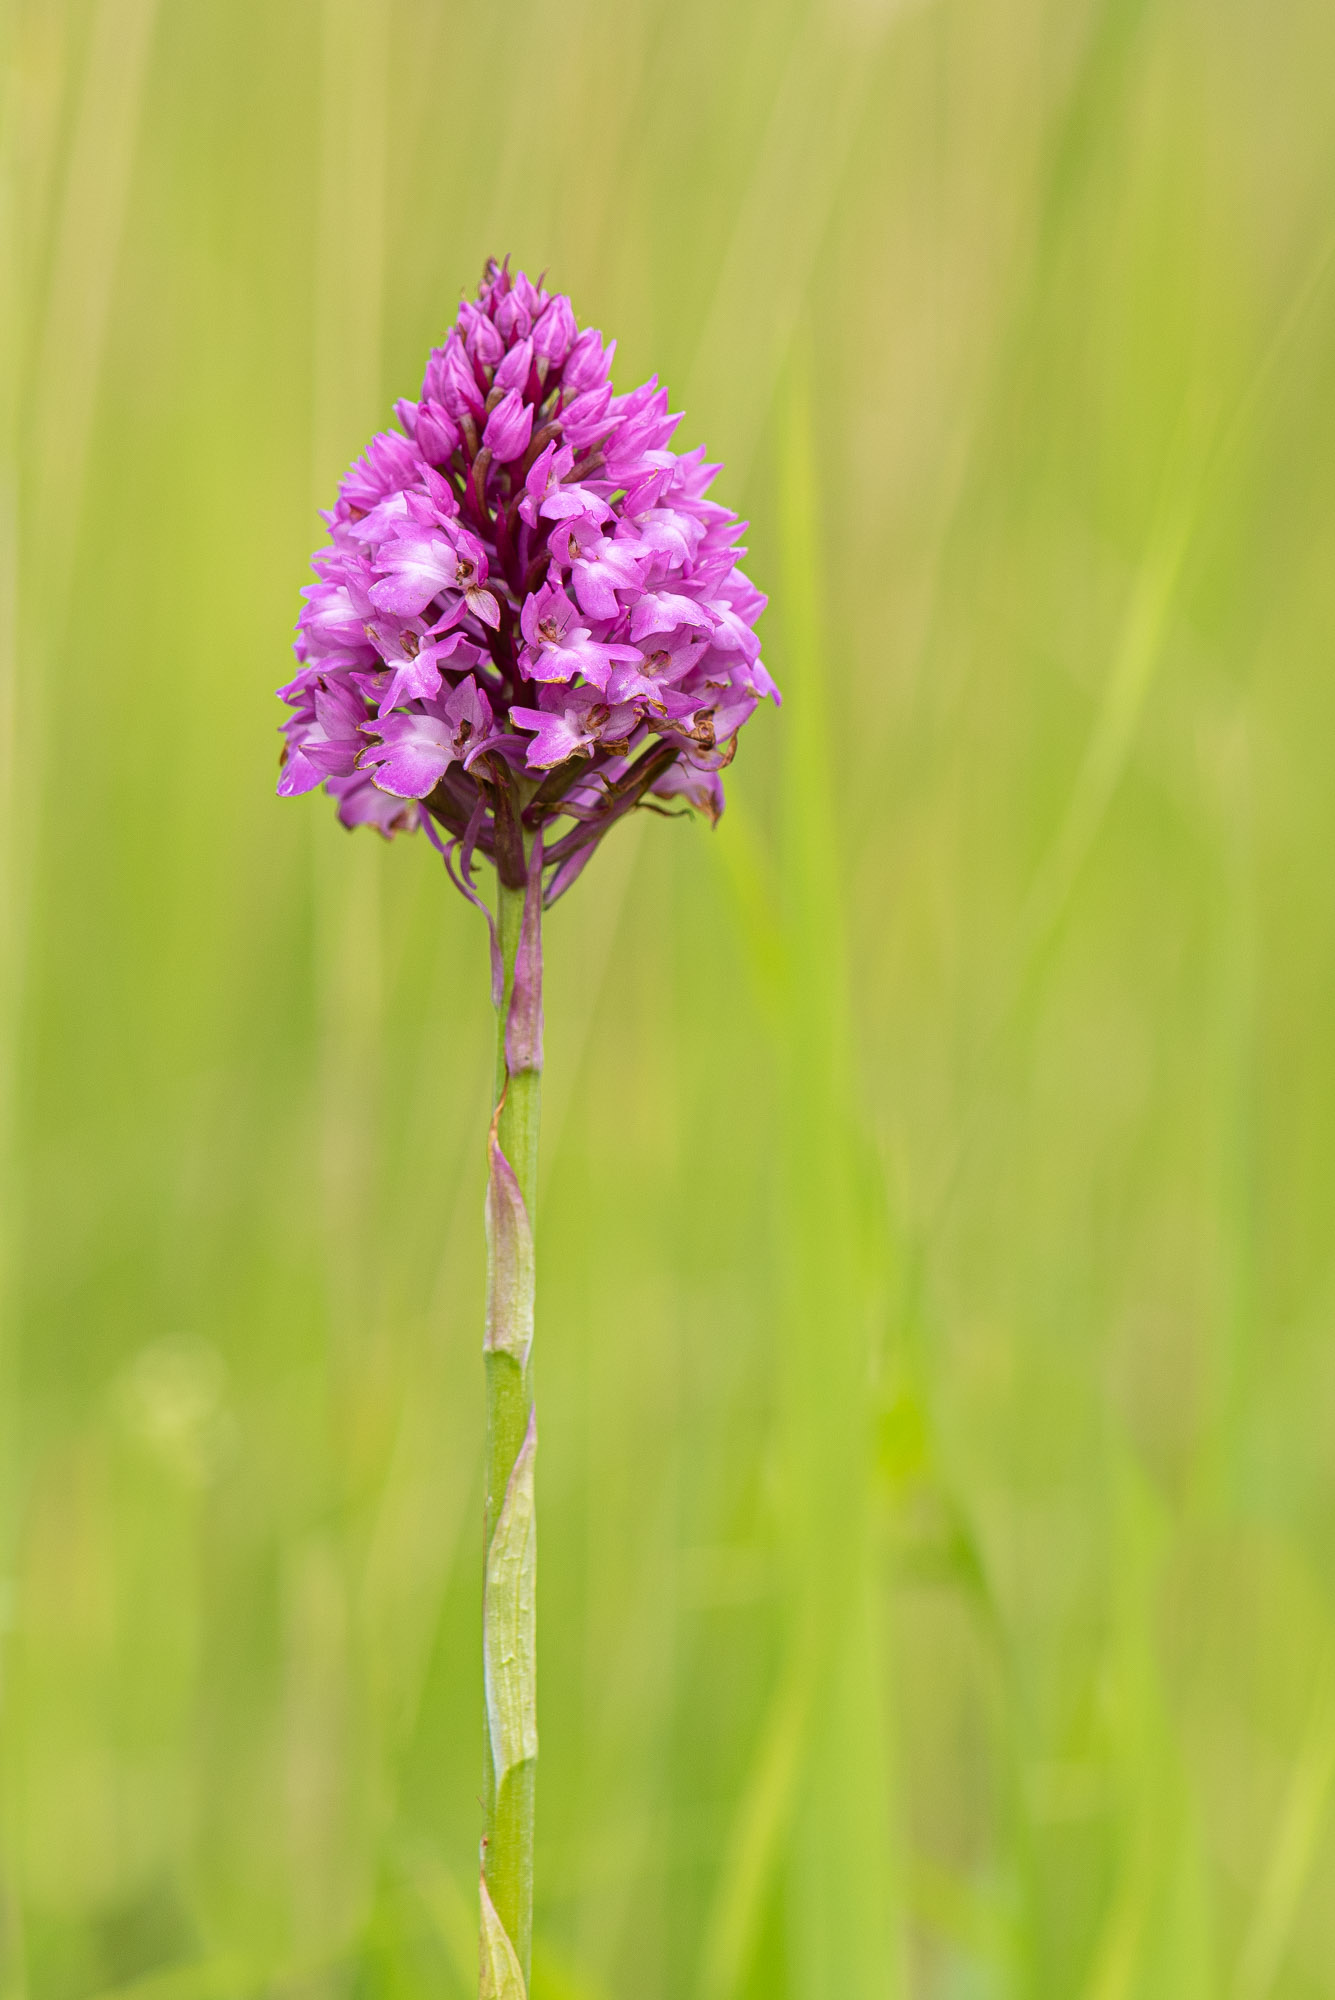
{"type": "Point", "coordinates": [937, 1272]}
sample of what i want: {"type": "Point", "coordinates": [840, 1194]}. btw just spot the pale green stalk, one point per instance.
{"type": "Point", "coordinates": [508, 1612]}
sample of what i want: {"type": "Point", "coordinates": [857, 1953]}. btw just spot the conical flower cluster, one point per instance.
{"type": "Point", "coordinates": [528, 612]}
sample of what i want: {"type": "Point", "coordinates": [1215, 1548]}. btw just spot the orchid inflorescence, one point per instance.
{"type": "Point", "coordinates": [528, 621]}
{"type": "Point", "coordinates": [528, 611]}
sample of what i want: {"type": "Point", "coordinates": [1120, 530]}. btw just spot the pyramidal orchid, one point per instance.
{"type": "Point", "coordinates": [528, 622]}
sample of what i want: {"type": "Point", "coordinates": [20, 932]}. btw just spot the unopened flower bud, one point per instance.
{"type": "Point", "coordinates": [509, 428]}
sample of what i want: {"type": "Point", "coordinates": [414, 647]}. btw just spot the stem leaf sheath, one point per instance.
{"type": "Point", "coordinates": [510, 1277]}
{"type": "Point", "coordinates": [502, 1977]}
{"type": "Point", "coordinates": [511, 1620]}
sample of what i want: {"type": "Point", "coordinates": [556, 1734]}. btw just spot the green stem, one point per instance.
{"type": "Point", "coordinates": [521, 1114]}
{"type": "Point", "coordinates": [508, 1612]}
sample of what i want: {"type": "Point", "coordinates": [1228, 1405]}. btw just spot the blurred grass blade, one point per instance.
{"type": "Point", "coordinates": [67, 359]}
{"type": "Point", "coordinates": [816, 1804]}
{"type": "Point", "coordinates": [1138, 653]}
{"type": "Point", "coordinates": [763, 1816]}
{"type": "Point", "coordinates": [51, 365]}
{"type": "Point", "coordinates": [52, 373]}
{"type": "Point", "coordinates": [780, 221]}
{"type": "Point", "coordinates": [1199, 459]}
{"type": "Point", "coordinates": [1292, 1854]}
{"type": "Point", "coordinates": [1141, 1767]}
{"type": "Point", "coordinates": [346, 409]}
{"type": "Point", "coordinates": [841, 1892]}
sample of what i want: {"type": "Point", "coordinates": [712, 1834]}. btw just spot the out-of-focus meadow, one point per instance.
{"type": "Point", "coordinates": [937, 1272]}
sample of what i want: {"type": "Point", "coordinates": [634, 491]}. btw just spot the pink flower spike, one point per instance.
{"type": "Point", "coordinates": [594, 603]}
